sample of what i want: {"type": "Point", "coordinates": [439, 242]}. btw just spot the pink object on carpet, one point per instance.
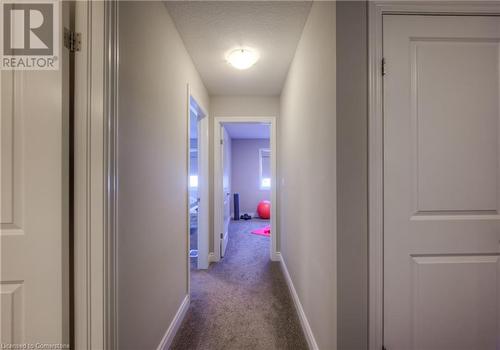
{"type": "Point", "coordinates": [266, 231]}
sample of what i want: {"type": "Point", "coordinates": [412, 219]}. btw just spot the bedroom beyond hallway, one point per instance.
{"type": "Point", "coordinates": [244, 178]}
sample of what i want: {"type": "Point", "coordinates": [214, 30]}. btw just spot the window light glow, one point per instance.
{"type": "Point", "coordinates": [242, 58]}
{"type": "Point", "coordinates": [265, 183]}
{"type": "Point", "coordinates": [193, 181]}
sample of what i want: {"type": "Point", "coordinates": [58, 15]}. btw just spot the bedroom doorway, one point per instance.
{"type": "Point", "coordinates": [197, 186]}
{"type": "Point", "coordinates": [244, 184]}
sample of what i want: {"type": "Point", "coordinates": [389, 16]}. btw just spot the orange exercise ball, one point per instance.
{"type": "Point", "coordinates": [264, 209]}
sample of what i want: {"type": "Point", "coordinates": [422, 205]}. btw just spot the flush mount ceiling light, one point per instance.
{"type": "Point", "coordinates": [242, 58]}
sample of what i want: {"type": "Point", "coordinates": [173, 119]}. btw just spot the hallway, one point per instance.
{"type": "Point", "coordinates": [242, 302]}
{"type": "Point", "coordinates": [186, 50]}
{"type": "Point", "coordinates": [365, 133]}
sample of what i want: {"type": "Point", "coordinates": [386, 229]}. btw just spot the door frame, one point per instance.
{"type": "Point", "coordinates": [376, 11]}
{"type": "Point", "coordinates": [217, 185]}
{"type": "Point", "coordinates": [203, 183]}
{"type": "Point", "coordinates": [95, 181]}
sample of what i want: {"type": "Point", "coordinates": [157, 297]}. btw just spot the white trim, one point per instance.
{"type": "Point", "coordinates": [375, 137]}
{"type": "Point", "coordinates": [92, 253]}
{"type": "Point", "coordinates": [204, 189]}
{"type": "Point", "coordinates": [306, 327]}
{"type": "Point", "coordinates": [188, 204]}
{"type": "Point", "coordinates": [375, 181]}
{"type": "Point", "coordinates": [169, 336]}
{"type": "Point", "coordinates": [218, 203]}
{"type": "Point", "coordinates": [96, 89]}
{"type": "Point", "coordinates": [276, 256]}
{"type": "Point", "coordinates": [111, 174]}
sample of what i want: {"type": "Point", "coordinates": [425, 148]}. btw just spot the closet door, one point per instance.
{"type": "Point", "coordinates": [441, 182]}
{"type": "Point", "coordinates": [34, 280]}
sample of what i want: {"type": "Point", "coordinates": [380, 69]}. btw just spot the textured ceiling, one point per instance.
{"type": "Point", "coordinates": [248, 131]}
{"type": "Point", "coordinates": [210, 29]}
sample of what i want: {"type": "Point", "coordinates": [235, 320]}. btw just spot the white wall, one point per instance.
{"type": "Point", "coordinates": [352, 174]}
{"type": "Point", "coordinates": [246, 174]}
{"type": "Point", "coordinates": [153, 172]}
{"type": "Point", "coordinates": [236, 106]}
{"type": "Point", "coordinates": [307, 152]}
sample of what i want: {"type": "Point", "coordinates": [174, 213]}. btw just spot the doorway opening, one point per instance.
{"type": "Point", "coordinates": [244, 185]}
{"type": "Point", "coordinates": [197, 186]}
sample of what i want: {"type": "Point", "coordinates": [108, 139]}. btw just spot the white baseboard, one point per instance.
{"type": "Point", "coordinates": [211, 258]}
{"type": "Point", "coordinates": [174, 326]}
{"type": "Point", "coordinates": [311, 341]}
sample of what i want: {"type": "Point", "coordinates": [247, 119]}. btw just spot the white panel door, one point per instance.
{"type": "Point", "coordinates": [33, 237]}
{"type": "Point", "coordinates": [226, 188]}
{"type": "Point", "coordinates": [441, 182]}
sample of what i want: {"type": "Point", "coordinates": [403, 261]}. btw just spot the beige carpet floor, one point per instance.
{"type": "Point", "coordinates": [242, 302]}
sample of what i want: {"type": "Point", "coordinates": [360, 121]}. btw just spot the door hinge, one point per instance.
{"type": "Point", "coordinates": [221, 236]}
{"type": "Point", "coordinates": [384, 72]}
{"type": "Point", "coordinates": [221, 142]}
{"type": "Point", "coordinates": [72, 40]}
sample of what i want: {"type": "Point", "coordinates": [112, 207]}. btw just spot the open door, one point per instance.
{"type": "Point", "coordinates": [198, 184]}
{"type": "Point", "coordinates": [226, 188]}
{"type": "Point", "coordinates": [194, 195]}
{"type": "Point", "coordinates": [34, 283]}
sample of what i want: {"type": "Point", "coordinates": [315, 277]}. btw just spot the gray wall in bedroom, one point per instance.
{"type": "Point", "coordinates": [352, 175]}
{"type": "Point", "coordinates": [245, 173]}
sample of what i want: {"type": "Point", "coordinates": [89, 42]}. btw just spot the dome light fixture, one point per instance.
{"type": "Point", "coordinates": [242, 58]}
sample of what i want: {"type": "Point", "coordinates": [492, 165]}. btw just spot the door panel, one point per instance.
{"type": "Point", "coordinates": [441, 182]}
{"type": "Point", "coordinates": [33, 230]}
{"type": "Point", "coordinates": [34, 200]}
{"type": "Point", "coordinates": [460, 173]}
{"type": "Point", "coordinates": [12, 233]}
{"type": "Point", "coordinates": [463, 315]}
